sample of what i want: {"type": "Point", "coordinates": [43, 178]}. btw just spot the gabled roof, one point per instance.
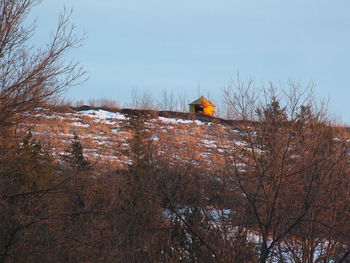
{"type": "Point", "coordinates": [202, 101]}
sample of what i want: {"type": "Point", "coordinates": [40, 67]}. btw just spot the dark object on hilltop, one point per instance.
{"type": "Point", "coordinates": [82, 108]}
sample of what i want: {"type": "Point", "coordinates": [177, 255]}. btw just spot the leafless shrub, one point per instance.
{"type": "Point", "coordinates": [103, 103]}
{"type": "Point", "coordinates": [144, 101]}
{"type": "Point", "coordinates": [167, 101]}
{"type": "Point", "coordinates": [78, 103]}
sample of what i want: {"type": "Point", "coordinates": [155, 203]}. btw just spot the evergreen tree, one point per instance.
{"type": "Point", "coordinates": [140, 209]}
{"type": "Point", "coordinates": [272, 112]}
{"type": "Point", "coordinates": [75, 156]}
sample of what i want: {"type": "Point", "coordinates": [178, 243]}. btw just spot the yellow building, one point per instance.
{"type": "Point", "coordinates": [202, 105]}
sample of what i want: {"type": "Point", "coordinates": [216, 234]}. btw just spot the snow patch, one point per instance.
{"type": "Point", "coordinates": [172, 120]}
{"type": "Point", "coordinates": [176, 121]}
{"type": "Point", "coordinates": [102, 114]}
{"type": "Point", "coordinates": [79, 124]}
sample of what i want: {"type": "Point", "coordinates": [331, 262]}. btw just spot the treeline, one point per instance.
{"type": "Point", "coordinates": [166, 101]}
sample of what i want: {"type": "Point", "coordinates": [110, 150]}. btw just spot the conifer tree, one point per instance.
{"type": "Point", "coordinates": [75, 156]}
{"type": "Point", "coordinates": [140, 209]}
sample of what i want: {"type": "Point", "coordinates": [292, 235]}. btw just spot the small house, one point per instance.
{"type": "Point", "coordinates": [202, 105]}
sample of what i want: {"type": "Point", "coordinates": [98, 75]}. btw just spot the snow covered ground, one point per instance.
{"type": "Point", "coordinates": [105, 136]}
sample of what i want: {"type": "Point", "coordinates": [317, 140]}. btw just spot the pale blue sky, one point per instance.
{"type": "Point", "coordinates": [179, 45]}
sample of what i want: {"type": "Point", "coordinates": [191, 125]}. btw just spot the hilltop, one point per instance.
{"type": "Point", "coordinates": [105, 133]}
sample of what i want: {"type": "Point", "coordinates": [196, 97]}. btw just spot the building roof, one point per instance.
{"type": "Point", "coordinates": [202, 101]}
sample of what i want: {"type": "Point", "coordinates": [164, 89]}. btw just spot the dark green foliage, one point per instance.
{"type": "Point", "coordinates": [137, 216]}
{"type": "Point", "coordinates": [272, 112]}
{"type": "Point", "coordinates": [75, 156]}
{"type": "Point", "coordinates": [142, 147]}
{"type": "Point", "coordinates": [305, 113]}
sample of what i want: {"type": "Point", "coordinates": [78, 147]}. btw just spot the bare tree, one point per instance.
{"type": "Point", "coordinates": [144, 101]}
{"type": "Point", "coordinates": [32, 76]}
{"type": "Point", "coordinates": [279, 173]}
{"type": "Point", "coordinates": [182, 102]}
{"type": "Point", "coordinates": [167, 101]}
{"type": "Point", "coordinates": [239, 99]}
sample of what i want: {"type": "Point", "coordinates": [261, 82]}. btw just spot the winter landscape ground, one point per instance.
{"type": "Point", "coordinates": [105, 134]}
{"type": "Point", "coordinates": [100, 184]}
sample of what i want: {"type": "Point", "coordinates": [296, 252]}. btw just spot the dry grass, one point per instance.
{"type": "Point", "coordinates": [106, 141]}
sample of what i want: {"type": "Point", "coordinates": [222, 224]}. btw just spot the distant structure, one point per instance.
{"type": "Point", "coordinates": [202, 105]}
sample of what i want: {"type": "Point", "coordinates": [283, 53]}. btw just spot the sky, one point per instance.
{"type": "Point", "coordinates": [196, 47]}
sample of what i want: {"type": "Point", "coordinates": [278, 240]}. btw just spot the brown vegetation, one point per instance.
{"type": "Point", "coordinates": [276, 190]}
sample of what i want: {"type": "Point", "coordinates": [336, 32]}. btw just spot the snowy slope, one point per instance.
{"type": "Point", "coordinates": [105, 136]}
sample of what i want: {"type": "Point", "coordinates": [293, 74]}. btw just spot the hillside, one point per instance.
{"type": "Point", "coordinates": [168, 186]}
{"type": "Point", "coordinates": [105, 134]}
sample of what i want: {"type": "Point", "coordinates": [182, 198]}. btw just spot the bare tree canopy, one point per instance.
{"type": "Point", "coordinates": [32, 76]}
